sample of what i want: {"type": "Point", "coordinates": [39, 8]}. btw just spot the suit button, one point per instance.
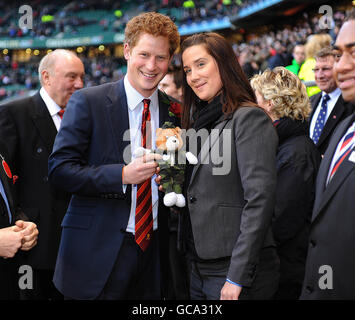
{"type": "Point", "coordinates": [193, 199]}
{"type": "Point", "coordinates": [312, 243]}
{"type": "Point", "coordinates": [45, 179]}
{"type": "Point", "coordinates": [309, 289]}
{"type": "Point", "coordinates": [39, 150]}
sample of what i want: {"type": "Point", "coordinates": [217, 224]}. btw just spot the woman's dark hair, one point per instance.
{"type": "Point", "coordinates": [236, 91]}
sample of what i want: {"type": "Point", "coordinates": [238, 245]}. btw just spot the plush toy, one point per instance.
{"type": "Point", "coordinates": [172, 166]}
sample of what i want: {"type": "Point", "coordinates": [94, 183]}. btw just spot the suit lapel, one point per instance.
{"type": "Point", "coordinates": [5, 182]}
{"type": "Point", "coordinates": [323, 192]}
{"type": "Point", "coordinates": [118, 117]}
{"type": "Point", "coordinates": [164, 105]}
{"type": "Point", "coordinates": [209, 143]}
{"type": "Point", "coordinates": [43, 122]}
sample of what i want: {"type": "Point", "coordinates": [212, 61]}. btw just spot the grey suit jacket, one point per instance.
{"type": "Point", "coordinates": [231, 203]}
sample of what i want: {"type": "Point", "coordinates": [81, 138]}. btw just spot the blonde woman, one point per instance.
{"type": "Point", "coordinates": [283, 96]}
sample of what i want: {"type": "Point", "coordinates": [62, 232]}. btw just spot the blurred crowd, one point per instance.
{"type": "Point", "coordinates": [17, 78]}
{"type": "Point", "coordinates": [272, 48]}
{"type": "Point", "coordinates": [57, 18]}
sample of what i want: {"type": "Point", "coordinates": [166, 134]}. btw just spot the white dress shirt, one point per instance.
{"type": "Point", "coordinates": [52, 107]}
{"type": "Point", "coordinates": [334, 96]}
{"type": "Point", "coordinates": [135, 111]}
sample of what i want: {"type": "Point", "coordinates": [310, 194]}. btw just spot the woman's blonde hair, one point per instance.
{"type": "Point", "coordinates": [315, 43]}
{"type": "Point", "coordinates": [286, 92]}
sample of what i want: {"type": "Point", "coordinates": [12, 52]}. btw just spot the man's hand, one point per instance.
{"type": "Point", "coordinates": [10, 242]}
{"type": "Point", "coordinates": [30, 233]}
{"type": "Point", "coordinates": [230, 291]}
{"type": "Point", "coordinates": [158, 181]}
{"type": "Point", "coordinates": [141, 169]}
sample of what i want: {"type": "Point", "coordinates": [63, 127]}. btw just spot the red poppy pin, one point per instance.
{"type": "Point", "coordinates": [14, 179]}
{"type": "Point", "coordinates": [6, 167]}
{"type": "Point", "coordinates": [175, 109]}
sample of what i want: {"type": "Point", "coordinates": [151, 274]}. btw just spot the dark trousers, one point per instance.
{"type": "Point", "coordinates": [179, 270]}
{"type": "Point", "coordinates": [135, 274]}
{"type": "Point", "coordinates": [208, 278]}
{"type": "Point", "coordinates": [43, 287]}
{"type": "Point", "coordinates": [9, 289]}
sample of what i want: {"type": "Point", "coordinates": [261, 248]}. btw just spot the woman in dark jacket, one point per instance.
{"type": "Point", "coordinates": [230, 192]}
{"type": "Point", "coordinates": [284, 98]}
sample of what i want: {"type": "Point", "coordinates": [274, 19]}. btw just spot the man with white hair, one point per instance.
{"type": "Point", "coordinates": [29, 126]}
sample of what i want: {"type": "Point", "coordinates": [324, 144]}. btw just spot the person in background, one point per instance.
{"type": "Point", "coordinates": [328, 106]}
{"type": "Point", "coordinates": [278, 59]}
{"type": "Point", "coordinates": [314, 43]}
{"type": "Point", "coordinates": [227, 222]}
{"type": "Point", "coordinates": [29, 127]}
{"type": "Point", "coordinates": [283, 96]}
{"type": "Point", "coordinates": [171, 84]}
{"type": "Point", "coordinates": [298, 59]}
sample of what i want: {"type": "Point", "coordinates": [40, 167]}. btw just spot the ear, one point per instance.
{"type": "Point", "coordinates": [270, 105]}
{"type": "Point", "coordinates": [45, 77]}
{"type": "Point", "coordinates": [126, 51]}
{"type": "Point", "coordinates": [178, 130]}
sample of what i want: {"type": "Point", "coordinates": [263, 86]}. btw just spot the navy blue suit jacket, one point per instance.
{"type": "Point", "coordinates": [87, 161]}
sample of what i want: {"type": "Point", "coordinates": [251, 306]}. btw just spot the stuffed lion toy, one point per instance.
{"type": "Point", "coordinates": [172, 167]}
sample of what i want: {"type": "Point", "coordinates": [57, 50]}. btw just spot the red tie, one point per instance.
{"type": "Point", "coordinates": [144, 216]}
{"type": "Point", "coordinates": [61, 113]}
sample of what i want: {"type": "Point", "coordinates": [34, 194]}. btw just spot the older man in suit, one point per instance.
{"type": "Point", "coordinates": [114, 232]}
{"type": "Point", "coordinates": [328, 106]}
{"type": "Point", "coordinates": [15, 234]}
{"type": "Point", "coordinates": [331, 262]}
{"type": "Point", "coordinates": [29, 127]}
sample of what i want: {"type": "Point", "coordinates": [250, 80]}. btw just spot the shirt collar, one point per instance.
{"type": "Point", "coordinates": [52, 107]}
{"type": "Point", "coordinates": [134, 98]}
{"type": "Point", "coordinates": [333, 95]}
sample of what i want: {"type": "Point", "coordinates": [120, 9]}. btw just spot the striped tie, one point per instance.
{"type": "Point", "coordinates": [344, 150]}
{"type": "Point", "coordinates": [144, 216]}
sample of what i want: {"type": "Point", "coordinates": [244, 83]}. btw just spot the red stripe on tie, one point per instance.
{"type": "Point", "coordinates": [143, 215]}
{"type": "Point", "coordinates": [337, 164]}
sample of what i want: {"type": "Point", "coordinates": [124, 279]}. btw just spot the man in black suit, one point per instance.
{"type": "Point", "coordinates": [326, 115]}
{"type": "Point", "coordinates": [14, 234]}
{"type": "Point", "coordinates": [331, 261]}
{"type": "Point", "coordinates": [29, 127]}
